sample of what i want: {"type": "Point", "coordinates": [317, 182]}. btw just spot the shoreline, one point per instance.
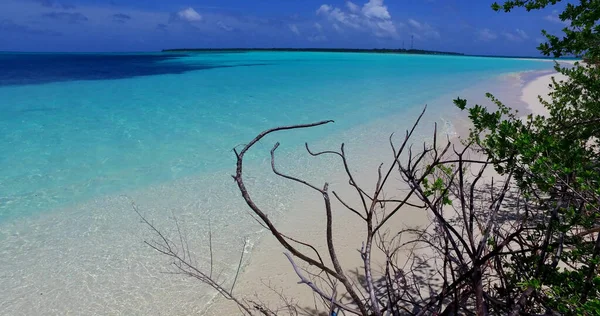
{"type": "Point", "coordinates": [268, 273]}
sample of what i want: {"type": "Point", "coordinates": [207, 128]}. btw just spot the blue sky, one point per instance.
{"type": "Point", "coordinates": [467, 26]}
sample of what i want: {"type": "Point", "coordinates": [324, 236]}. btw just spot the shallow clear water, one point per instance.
{"type": "Point", "coordinates": [77, 126]}
{"type": "Point", "coordinates": [77, 132]}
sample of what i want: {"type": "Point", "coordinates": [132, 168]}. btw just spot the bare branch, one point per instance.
{"type": "Point", "coordinates": [304, 280]}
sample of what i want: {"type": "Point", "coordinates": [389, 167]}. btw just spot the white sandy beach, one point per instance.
{"type": "Point", "coordinates": [539, 87]}
{"type": "Point", "coordinates": [269, 274]}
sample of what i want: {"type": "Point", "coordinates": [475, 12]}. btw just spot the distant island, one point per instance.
{"type": "Point", "coordinates": [321, 50]}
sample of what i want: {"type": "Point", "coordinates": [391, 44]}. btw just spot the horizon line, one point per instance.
{"type": "Point", "coordinates": [283, 49]}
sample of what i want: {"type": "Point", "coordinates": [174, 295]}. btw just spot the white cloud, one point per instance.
{"type": "Point", "coordinates": [518, 36]}
{"type": "Point", "coordinates": [511, 37]}
{"type": "Point", "coordinates": [351, 20]}
{"type": "Point", "coordinates": [186, 15]}
{"type": "Point", "coordinates": [324, 9]}
{"type": "Point", "coordinates": [522, 34]}
{"type": "Point", "coordinates": [376, 9]}
{"type": "Point", "coordinates": [414, 23]}
{"type": "Point", "coordinates": [385, 28]}
{"type": "Point", "coordinates": [373, 16]}
{"type": "Point", "coordinates": [294, 29]}
{"type": "Point", "coordinates": [423, 30]}
{"type": "Point", "coordinates": [552, 18]}
{"type": "Point", "coordinates": [317, 38]}
{"type": "Point", "coordinates": [354, 8]}
{"type": "Point", "coordinates": [486, 35]}
{"type": "Point", "coordinates": [555, 19]}
{"type": "Point", "coordinates": [224, 26]}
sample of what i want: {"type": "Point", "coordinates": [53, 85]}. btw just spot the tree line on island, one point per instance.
{"type": "Point", "coordinates": [316, 50]}
{"type": "Point", "coordinates": [527, 243]}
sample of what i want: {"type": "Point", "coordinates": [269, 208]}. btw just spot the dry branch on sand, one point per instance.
{"type": "Point", "coordinates": [475, 225]}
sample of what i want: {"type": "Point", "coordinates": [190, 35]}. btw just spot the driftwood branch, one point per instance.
{"type": "Point", "coordinates": [476, 225]}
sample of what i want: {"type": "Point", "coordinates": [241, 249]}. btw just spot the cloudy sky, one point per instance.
{"type": "Point", "coordinates": [467, 26]}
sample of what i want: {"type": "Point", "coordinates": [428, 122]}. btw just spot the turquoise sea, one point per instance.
{"type": "Point", "coordinates": [83, 135]}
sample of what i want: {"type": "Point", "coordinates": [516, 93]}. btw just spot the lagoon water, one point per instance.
{"type": "Point", "coordinates": [84, 135]}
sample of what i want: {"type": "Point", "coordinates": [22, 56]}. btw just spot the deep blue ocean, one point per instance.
{"type": "Point", "coordinates": [80, 131]}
